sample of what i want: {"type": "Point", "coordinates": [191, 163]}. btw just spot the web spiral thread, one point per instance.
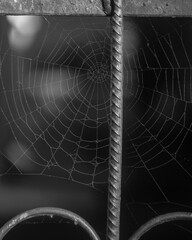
{"type": "Point", "coordinates": [114, 192]}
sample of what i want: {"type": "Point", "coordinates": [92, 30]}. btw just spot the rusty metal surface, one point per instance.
{"type": "Point", "coordinates": [95, 7]}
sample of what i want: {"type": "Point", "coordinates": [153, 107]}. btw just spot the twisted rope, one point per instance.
{"type": "Point", "coordinates": [115, 162]}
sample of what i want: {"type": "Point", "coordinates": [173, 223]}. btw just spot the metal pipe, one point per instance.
{"type": "Point", "coordinates": [48, 211]}
{"type": "Point", "coordinates": [169, 217]}
{"type": "Point", "coordinates": [95, 8]}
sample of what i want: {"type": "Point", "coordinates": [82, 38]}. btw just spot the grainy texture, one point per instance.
{"type": "Point", "coordinates": [158, 7]}
{"type": "Point", "coordinates": [95, 7]}
{"type": "Point", "coordinates": [52, 7]}
{"type": "Point", "coordinates": [116, 125]}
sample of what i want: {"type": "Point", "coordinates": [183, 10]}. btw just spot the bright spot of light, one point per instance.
{"type": "Point", "coordinates": [20, 156]}
{"type": "Point", "coordinates": [23, 31]}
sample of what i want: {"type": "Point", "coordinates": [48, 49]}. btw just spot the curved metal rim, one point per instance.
{"type": "Point", "coordinates": [169, 217]}
{"type": "Point", "coordinates": [49, 211]}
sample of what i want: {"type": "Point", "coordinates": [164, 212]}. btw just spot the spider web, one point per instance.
{"type": "Point", "coordinates": [55, 106]}
{"type": "Point", "coordinates": [55, 102]}
{"type": "Point", "coordinates": [157, 167]}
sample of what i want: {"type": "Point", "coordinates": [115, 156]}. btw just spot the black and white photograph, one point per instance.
{"type": "Point", "coordinates": [95, 119]}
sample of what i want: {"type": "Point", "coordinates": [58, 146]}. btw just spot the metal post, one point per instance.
{"type": "Point", "coordinates": [115, 161]}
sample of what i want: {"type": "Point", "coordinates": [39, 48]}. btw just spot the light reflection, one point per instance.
{"type": "Point", "coordinates": [23, 31]}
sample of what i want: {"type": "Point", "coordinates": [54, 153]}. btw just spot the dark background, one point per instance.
{"type": "Point", "coordinates": [157, 127]}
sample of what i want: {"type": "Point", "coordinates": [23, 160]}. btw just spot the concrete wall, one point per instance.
{"type": "Point", "coordinates": [95, 7]}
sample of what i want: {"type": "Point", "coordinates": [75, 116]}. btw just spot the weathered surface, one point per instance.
{"type": "Point", "coordinates": [95, 7]}
{"type": "Point", "coordinates": [158, 7]}
{"type": "Point", "coordinates": [52, 7]}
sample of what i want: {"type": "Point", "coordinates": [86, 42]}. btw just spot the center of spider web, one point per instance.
{"type": "Point", "coordinates": [99, 73]}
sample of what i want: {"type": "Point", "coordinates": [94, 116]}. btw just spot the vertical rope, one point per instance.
{"type": "Point", "coordinates": [115, 162]}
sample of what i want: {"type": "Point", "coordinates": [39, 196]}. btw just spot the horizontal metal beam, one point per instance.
{"type": "Point", "coordinates": [95, 7]}
{"type": "Point", "coordinates": [52, 7]}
